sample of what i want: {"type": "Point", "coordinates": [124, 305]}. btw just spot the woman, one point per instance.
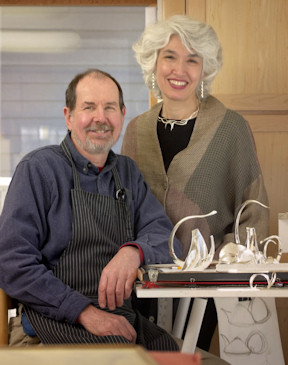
{"type": "Point", "coordinates": [196, 155]}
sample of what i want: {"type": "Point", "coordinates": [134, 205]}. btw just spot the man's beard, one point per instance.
{"type": "Point", "coordinates": [94, 147]}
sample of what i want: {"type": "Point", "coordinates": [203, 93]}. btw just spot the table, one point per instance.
{"type": "Point", "coordinates": [210, 292]}
{"type": "Point", "coordinates": [76, 354]}
{"type": "Point", "coordinates": [90, 355]}
{"type": "Point", "coordinates": [200, 294]}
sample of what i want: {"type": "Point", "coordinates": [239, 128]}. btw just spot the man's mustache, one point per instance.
{"type": "Point", "coordinates": [99, 128]}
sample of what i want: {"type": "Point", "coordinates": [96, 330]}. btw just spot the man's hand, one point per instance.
{"type": "Point", "coordinates": [117, 278]}
{"type": "Point", "coordinates": [101, 323]}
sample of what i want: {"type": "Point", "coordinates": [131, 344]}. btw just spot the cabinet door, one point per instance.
{"type": "Point", "coordinates": [254, 80]}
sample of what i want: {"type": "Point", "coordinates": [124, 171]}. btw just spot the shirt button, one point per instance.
{"type": "Point", "coordinates": [84, 169]}
{"type": "Point", "coordinates": [89, 165]}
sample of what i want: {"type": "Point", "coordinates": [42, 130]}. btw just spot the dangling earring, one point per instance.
{"type": "Point", "coordinates": [153, 81]}
{"type": "Point", "coordinates": [202, 89]}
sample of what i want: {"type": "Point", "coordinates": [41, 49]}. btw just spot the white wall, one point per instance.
{"type": "Point", "coordinates": [34, 83]}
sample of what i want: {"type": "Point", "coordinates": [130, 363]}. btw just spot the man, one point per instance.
{"type": "Point", "coordinates": [77, 222]}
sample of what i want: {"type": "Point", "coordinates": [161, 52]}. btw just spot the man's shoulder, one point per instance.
{"type": "Point", "coordinates": [125, 162]}
{"type": "Point", "coordinates": [47, 159]}
{"type": "Point", "coordinates": [127, 168]}
{"type": "Point", "coordinates": [43, 153]}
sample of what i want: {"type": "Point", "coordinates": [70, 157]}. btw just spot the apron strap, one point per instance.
{"type": "Point", "coordinates": [120, 192]}
{"type": "Point", "coordinates": [122, 195]}
{"type": "Point", "coordinates": [75, 174]}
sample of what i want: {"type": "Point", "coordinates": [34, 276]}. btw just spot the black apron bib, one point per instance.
{"type": "Point", "coordinates": [101, 224]}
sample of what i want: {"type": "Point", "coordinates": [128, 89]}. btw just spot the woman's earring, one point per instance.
{"type": "Point", "coordinates": [202, 89]}
{"type": "Point", "coordinates": [153, 81]}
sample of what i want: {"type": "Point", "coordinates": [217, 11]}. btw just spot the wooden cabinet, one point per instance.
{"type": "Point", "coordinates": [254, 80]}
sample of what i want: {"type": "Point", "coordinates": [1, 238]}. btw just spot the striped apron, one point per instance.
{"type": "Point", "coordinates": [101, 224]}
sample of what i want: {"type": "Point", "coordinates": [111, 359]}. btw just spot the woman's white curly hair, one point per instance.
{"type": "Point", "coordinates": [195, 35]}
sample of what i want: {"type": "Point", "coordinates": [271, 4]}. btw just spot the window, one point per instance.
{"type": "Point", "coordinates": [43, 48]}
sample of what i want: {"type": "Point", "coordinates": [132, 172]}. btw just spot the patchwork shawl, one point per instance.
{"type": "Point", "coordinates": [218, 170]}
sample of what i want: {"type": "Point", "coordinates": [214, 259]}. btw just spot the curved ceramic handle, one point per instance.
{"type": "Point", "coordinates": [244, 205]}
{"type": "Point", "coordinates": [172, 235]}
